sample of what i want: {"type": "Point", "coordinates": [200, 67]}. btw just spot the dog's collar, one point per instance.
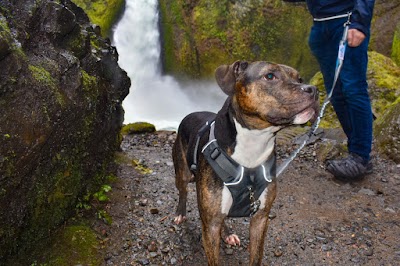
{"type": "Point", "coordinates": [245, 184]}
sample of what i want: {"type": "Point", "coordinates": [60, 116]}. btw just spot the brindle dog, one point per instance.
{"type": "Point", "coordinates": [262, 98]}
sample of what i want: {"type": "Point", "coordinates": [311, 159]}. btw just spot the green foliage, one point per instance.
{"type": "Point", "coordinates": [102, 13]}
{"type": "Point", "coordinates": [101, 195]}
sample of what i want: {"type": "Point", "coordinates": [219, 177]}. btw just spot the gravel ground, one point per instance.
{"type": "Point", "coordinates": [315, 220]}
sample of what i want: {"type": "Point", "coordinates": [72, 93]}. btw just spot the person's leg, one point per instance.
{"type": "Point", "coordinates": [355, 91]}
{"type": "Point", "coordinates": [358, 107]}
{"type": "Point", "coordinates": [355, 115]}
{"type": "Point", "coordinates": [324, 43]}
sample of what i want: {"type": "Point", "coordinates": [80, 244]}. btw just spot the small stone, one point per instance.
{"type": "Point", "coordinates": [325, 247]}
{"type": "Point", "coordinates": [368, 252]}
{"type": "Point", "coordinates": [143, 262]}
{"type": "Point", "coordinates": [390, 210]}
{"type": "Point", "coordinates": [278, 253]}
{"type": "Point", "coordinates": [366, 191]}
{"type": "Point", "coordinates": [228, 251]}
{"type": "Point", "coordinates": [173, 261]}
{"type": "Point", "coordinates": [152, 247]}
{"type": "Point", "coordinates": [153, 254]}
{"type": "Point", "coordinates": [272, 215]}
{"type": "Point", "coordinates": [143, 202]}
{"type": "Point", "coordinates": [154, 211]}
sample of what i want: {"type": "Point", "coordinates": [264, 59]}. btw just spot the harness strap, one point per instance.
{"type": "Point", "coordinates": [200, 133]}
{"type": "Point", "coordinates": [222, 164]}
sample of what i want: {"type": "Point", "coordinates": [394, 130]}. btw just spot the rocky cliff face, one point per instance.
{"type": "Point", "coordinates": [61, 91]}
{"type": "Point", "coordinates": [199, 35]}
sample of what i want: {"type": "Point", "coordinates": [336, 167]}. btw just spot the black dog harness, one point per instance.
{"type": "Point", "coordinates": [245, 184]}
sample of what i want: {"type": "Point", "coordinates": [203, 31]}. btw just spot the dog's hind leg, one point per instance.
{"type": "Point", "coordinates": [182, 177]}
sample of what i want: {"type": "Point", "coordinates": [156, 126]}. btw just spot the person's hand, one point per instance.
{"type": "Point", "coordinates": [355, 37]}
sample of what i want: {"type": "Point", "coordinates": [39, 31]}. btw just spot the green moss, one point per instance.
{"type": "Point", "coordinates": [73, 245]}
{"type": "Point", "coordinates": [396, 46]}
{"type": "Point", "coordinates": [102, 13]}
{"type": "Point", "coordinates": [384, 81]}
{"type": "Point", "coordinates": [89, 82]}
{"type": "Point", "coordinates": [137, 128]}
{"type": "Point", "coordinates": [44, 78]}
{"type": "Point", "coordinates": [77, 43]}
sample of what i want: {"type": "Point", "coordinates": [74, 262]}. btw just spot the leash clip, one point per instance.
{"type": "Point", "coordinates": [348, 22]}
{"type": "Point", "coordinates": [255, 204]}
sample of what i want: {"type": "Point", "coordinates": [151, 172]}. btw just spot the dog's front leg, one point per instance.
{"type": "Point", "coordinates": [258, 229]}
{"type": "Point", "coordinates": [211, 241]}
{"type": "Point", "coordinates": [259, 225]}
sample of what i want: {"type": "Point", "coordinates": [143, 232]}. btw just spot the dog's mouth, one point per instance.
{"type": "Point", "coordinates": [308, 114]}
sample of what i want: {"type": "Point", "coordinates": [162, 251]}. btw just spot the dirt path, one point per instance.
{"type": "Point", "coordinates": [314, 221]}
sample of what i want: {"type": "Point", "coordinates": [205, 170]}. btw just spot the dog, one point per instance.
{"type": "Point", "coordinates": [231, 156]}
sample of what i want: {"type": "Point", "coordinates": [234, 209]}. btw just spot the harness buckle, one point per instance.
{"type": "Point", "coordinates": [215, 153]}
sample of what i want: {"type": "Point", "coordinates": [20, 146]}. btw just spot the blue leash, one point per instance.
{"type": "Point", "coordinates": [314, 127]}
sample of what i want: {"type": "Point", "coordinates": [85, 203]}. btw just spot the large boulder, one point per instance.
{"type": "Point", "coordinates": [383, 85]}
{"type": "Point", "coordinates": [387, 133]}
{"type": "Point", "coordinates": [61, 91]}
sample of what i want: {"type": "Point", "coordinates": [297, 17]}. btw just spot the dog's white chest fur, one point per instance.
{"type": "Point", "coordinates": [253, 147]}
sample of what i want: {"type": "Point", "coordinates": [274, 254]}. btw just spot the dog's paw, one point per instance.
{"type": "Point", "coordinates": [232, 240]}
{"type": "Point", "coordinates": [179, 219]}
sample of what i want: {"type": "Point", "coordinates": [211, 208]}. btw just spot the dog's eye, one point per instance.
{"type": "Point", "coordinates": [301, 80]}
{"type": "Point", "coordinates": [269, 76]}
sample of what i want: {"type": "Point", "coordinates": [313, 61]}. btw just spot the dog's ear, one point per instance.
{"type": "Point", "coordinates": [226, 76]}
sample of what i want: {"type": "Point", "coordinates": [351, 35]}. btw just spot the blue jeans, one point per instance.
{"type": "Point", "coordinates": [350, 97]}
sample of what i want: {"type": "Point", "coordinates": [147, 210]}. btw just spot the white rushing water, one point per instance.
{"type": "Point", "coordinates": [155, 98]}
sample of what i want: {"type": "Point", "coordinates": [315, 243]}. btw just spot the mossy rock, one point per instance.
{"type": "Point", "coordinates": [75, 244]}
{"type": "Point", "coordinates": [138, 128]}
{"type": "Point", "coordinates": [384, 87]}
{"type": "Point", "coordinates": [102, 13]}
{"type": "Point", "coordinates": [387, 132]}
{"type": "Point", "coordinates": [5, 38]}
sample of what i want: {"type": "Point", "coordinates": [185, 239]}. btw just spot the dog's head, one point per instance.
{"type": "Point", "coordinates": [268, 93]}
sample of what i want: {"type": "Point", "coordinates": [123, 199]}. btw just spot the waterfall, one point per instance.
{"type": "Point", "coordinates": [153, 97]}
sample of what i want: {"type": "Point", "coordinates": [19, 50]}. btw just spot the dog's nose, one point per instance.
{"type": "Point", "coordinates": [310, 89]}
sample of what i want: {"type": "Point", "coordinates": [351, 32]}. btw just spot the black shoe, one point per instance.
{"type": "Point", "coordinates": [352, 168]}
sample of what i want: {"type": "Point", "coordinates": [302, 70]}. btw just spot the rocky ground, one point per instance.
{"type": "Point", "coordinates": [315, 220]}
